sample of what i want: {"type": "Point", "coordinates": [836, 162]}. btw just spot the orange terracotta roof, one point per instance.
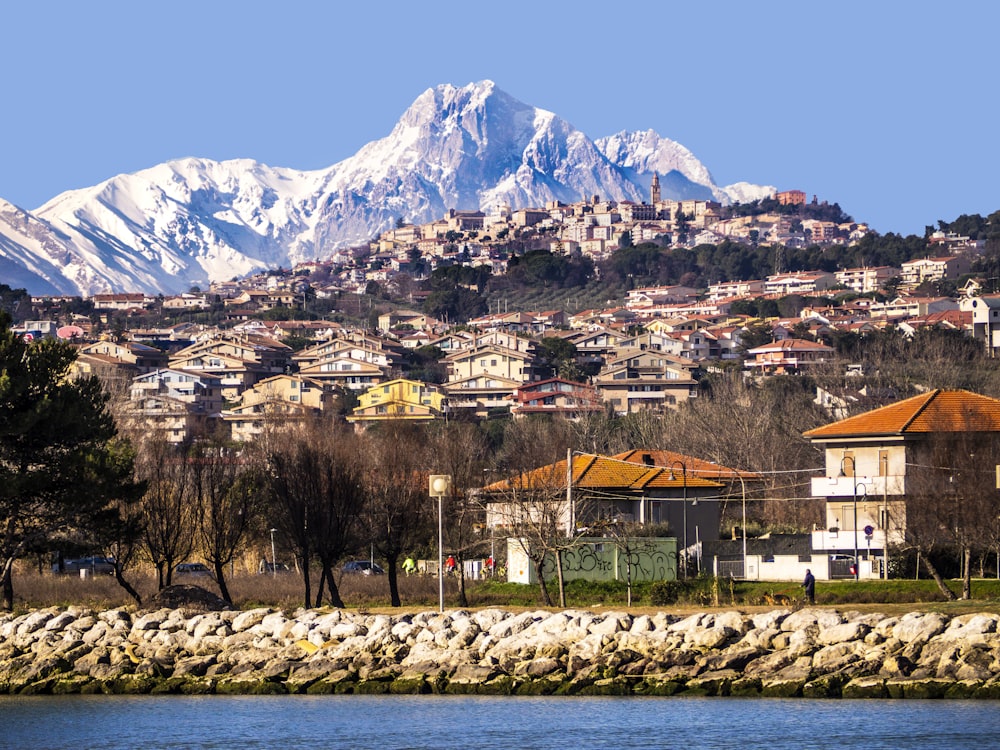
{"type": "Point", "coordinates": [601, 472]}
{"type": "Point", "coordinates": [695, 466]}
{"type": "Point", "coordinates": [934, 411]}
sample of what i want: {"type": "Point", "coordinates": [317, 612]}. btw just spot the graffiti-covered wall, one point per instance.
{"type": "Point", "coordinates": [648, 559]}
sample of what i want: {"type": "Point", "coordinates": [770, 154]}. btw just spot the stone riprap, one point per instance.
{"type": "Point", "coordinates": [809, 652]}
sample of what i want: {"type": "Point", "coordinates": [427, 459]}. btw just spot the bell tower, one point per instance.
{"type": "Point", "coordinates": [654, 189]}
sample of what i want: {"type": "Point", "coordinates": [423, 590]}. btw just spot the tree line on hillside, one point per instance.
{"type": "Point", "coordinates": [458, 293]}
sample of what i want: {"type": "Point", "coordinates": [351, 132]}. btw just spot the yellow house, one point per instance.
{"type": "Point", "coordinates": [400, 399]}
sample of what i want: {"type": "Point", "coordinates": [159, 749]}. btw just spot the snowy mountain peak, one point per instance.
{"type": "Point", "coordinates": [192, 220]}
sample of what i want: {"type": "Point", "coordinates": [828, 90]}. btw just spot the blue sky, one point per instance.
{"type": "Point", "coordinates": [882, 107]}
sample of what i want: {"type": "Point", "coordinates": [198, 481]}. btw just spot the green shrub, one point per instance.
{"type": "Point", "coordinates": [666, 592]}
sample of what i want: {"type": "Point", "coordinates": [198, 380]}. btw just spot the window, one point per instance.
{"type": "Point", "coordinates": [847, 463]}
{"type": "Point", "coordinates": [883, 463]}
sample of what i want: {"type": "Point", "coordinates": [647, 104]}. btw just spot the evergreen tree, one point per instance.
{"type": "Point", "coordinates": [61, 470]}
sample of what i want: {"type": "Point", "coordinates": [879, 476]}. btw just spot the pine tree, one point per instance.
{"type": "Point", "coordinates": [61, 470]}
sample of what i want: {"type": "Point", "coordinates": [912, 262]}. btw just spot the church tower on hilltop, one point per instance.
{"type": "Point", "coordinates": [654, 189]}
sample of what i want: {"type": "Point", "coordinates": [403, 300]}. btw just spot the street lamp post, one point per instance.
{"type": "Point", "coordinates": [684, 514]}
{"type": "Point", "coordinates": [440, 485]}
{"type": "Point", "coordinates": [274, 568]}
{"type": "Point", "coordinates": [855, 484]}
{"type": "Point", "coordinates": [743, 491]}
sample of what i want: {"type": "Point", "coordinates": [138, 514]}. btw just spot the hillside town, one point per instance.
{"type": "Point", "coordinates": [258, 367]}
{"type": "Point", "coordinates": [643, 354]}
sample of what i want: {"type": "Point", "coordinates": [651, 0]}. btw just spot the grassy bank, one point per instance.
{"type": "Point", "coordinates": [34, 590]}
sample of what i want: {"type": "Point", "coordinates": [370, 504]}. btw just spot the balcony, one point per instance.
{"type": "Point", "coordinates": [844, 539]}
{"type": "Point", "coordinates": [874, 487]}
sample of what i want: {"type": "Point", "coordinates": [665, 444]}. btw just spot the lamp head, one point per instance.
{"type": "Point", "coordinates": [440, 485]}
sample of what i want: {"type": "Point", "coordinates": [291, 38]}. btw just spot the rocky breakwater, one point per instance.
{"type": "Point", "coordinates": [810, 652]}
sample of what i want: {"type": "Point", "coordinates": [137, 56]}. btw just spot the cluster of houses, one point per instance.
{"type": "Point", "coordinates": [595, 228]}
{"type": "Point", "coordinates": [245, 376]}
{"type": "Point", "coordinates": [185, 379]}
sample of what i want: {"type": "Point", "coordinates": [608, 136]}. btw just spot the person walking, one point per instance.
{"type": "Point", "coordinates": [809, 584]}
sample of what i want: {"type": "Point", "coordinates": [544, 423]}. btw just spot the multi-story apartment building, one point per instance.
{"type": "Point", "coordinates": [276, 403]}
{"type": "Point", "coordinates": [799, 283]}
{"type": "Point", "coordinates": [645, 381]}
{"type": "Point", "coordinates": [791, 198]}
{"type": "Point", "coordinates": [915, 272]}
{"type": "Point", "coordinates": [901, 307]}
{"type": "Point", "coordinates": [726, 289]}
{"type": "Point", "coordinates": [867, 279]}
{"type": "Point", "coordinates": [173, 404]}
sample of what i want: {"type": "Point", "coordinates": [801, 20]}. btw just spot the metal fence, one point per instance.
{"type": "Point", "coordinates": [731, 569]}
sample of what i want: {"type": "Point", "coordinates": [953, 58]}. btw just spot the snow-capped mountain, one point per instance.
{"type": "Point", "coordinates": [189, 221]}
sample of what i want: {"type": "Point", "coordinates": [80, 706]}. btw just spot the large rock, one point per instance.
{"type": "Point", "coordinates": [190, 597]}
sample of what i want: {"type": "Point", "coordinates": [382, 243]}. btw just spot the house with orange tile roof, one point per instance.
{"type": "Point", "coordinates": [738, 481]}
{"type": "Point", "coordinates": [872, 460]}
{"type": "Point", "coordinates": [593, 490]}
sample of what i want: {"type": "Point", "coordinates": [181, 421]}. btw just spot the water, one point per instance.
{"type": "Point", "coordinates": [444, 722]}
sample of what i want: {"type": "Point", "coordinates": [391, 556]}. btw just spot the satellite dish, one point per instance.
{"type": "Point", "coordinates": [70, 332]}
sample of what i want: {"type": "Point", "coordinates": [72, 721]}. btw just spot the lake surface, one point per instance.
{"type": "Point", "coordinates": [444, 722]}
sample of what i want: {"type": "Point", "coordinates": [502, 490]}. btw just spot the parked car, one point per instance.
{"type": "Point", "coordinates": [363, 567]}
{"type": "Point", "coordinates": [272, 567]}
{"type": "Point", "coordinates": [94, 564]}
{"type": "Point", "coordinates": [192, 569]}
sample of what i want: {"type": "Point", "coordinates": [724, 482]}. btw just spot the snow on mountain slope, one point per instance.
{"type": "Point", "coordinates": [189, 221]}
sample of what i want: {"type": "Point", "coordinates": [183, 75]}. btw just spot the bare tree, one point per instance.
{"type": "Point", "coordinates": [951, 501]}
{"type": "Point", "coordinates": [168, 513]}
{"type": "Point", "coordinates": [227, 497]}
{"type": "Point", "coordinates": [757, 426]}
{"type": "Point", "coordinates": [396, 509]}
{"type": "Point", "coordinates": [315, 482]}
{"type": "Point", "coordinates": [459, 450]}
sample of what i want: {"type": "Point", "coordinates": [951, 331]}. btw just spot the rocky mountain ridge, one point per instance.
{"type": "Point", "coordinates": [191, 221]}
